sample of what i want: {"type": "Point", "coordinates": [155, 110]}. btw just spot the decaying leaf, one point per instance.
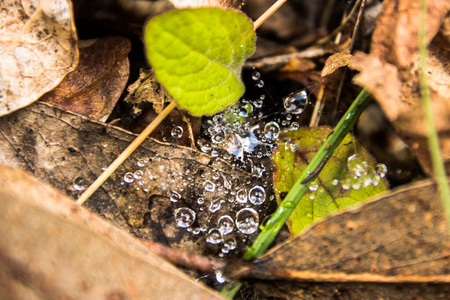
{"type": "Point", "coordinates": [53, 249]}
{"type": "Point", "coordinates": [207, 3]}
{"type": "Point", "coordinates": [98, 81]}
{"type": "Point", "coordinates": [69, 152]}
{"type": "Point", "coordinates": [335, 62]}
{"type": "Point", "coordinates": [397, 237]}
{"type": "Point", "coordinates": [390, 72]}
{"type": "Point", "coordinates": [38, 47]}
{"type": "Point", "coordinates": [348, 177]}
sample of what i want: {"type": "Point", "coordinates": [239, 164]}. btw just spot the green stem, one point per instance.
{"type": "Point", "coordinates": [299, 189]}
{"type": "Point", "coordinates": [433, 140]}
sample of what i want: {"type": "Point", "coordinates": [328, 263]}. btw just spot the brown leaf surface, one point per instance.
{"type": "Point", "coordinates": [58, 147]}
{"type": "Point", "coordinates": [400, 236]}
{"type": "Point", "coordinates": [390, 72]}
{"type": "Point", "coordinates": [93, 89]}
{"type": "Point", "coordinates": [38, 47]}
{"type": "Point", "coordinates": [53, 249]}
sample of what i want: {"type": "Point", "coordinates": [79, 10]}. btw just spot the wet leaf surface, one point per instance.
{"type": "Point", "coordinates": [38, 47]}
{"type": "Point", "coordinates": [336, 187]}
{"type": "Point", "coordinates": [390, 72]}
{"type": "Point", "coordinates": [69, 151]}
{"type": "Point", "coordinates": [46, 236]}
{"type": "Point", "coordinates": [94, 87]}
{"type": "Point", "coordinates": [200, 65]}
{"type": "Point", "coordinates": [397, 237]}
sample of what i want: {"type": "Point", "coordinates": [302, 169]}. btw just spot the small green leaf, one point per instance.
{"type": "Point", "coordinates": [326, 195]}
{"type": "Point", "coordinates": [197, 54]}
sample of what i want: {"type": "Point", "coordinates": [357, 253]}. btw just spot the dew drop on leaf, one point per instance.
{"type": "Point", "coordinates": [247, 221]}
{"type": "Point", "coordinates": [356, 166]}
{"type": "Point", "coordinates": [184, 217]}
{"type": "Point", "coordinates": [381, 170]}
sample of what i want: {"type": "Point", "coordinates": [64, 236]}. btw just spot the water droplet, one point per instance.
{"type": "Point", "coordinates": [381, 170]}
{"type": "Point", "coordinates": [345, 184]}
{"type": "Point", "coordinates": [209, 186]}
{"type": "Point", "coordinates": [220, 278]}
{"type": "Point", "coordinates": [335, 182]}
{"type": "Point", "coordinates": [260, 84]}
{"type": "Point", "coordinates": [356, 184]}
{"type": "Point", "coordinates": [177, 132]}
{"type": "Point", "coordinates": [296, 102]}
{"type": "Point", "coordinates": [294, 126]}
{"type": "Point", "coordinates": [356, 166]}
{"type": "Point", "coordinates": [376, 179]}
{"type": "Point", "coordinates": [226, 225]}
{"type": "Point", "coordinates": [142, 162]}
{"type": "Point", "coordinates": [196, 231]}
{"type": "Point", "coordinates": [138, 174]}
{"type": "Point", "coordinates": [79, 183]}
{"type": "Point", "coordinates": [218, 136]}
{"type": "Point", "coordinates": [241, 196]}
{"type": "Point", "coordinates": [366, 180]}
{"type": "Point", "coordinates": [257, 195]}
{"type": "Point", "coordinates": [314, 186]}
{"type": "Point", "coordinates": [272, 130]}
{"type": "Point", "coordinates": [214, 237]}
{"type": "Point", "coordinates": [256, 76]}
{"type": "Point", "coordinates": [128, 177]}
{"type": "Point", "coordinates": [290, 146]}
{"type": "Point", "coordinates": [174, 196]}
{"type": "Point", "coordinates": [247, 221]}
{"type": "Point", "coordinates": [230, 243]}
{"type": "Point", "coordinates": [215, 205]}
{"type": "Point", "coordinates": [184, 217]}
{"type": "Point", "coordinates": [200, 201]}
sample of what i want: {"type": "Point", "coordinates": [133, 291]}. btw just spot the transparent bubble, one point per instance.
{"type": "Point", "coordinates": [247, 221]}
{"type": "Point", "coordinates": [214, 237]}
{"type": "Point", "coordinates": [256, 76]}
{"type": "Point", "coordinates": [218, 137]}
{"type": "Point", "coordinates": [230, 243]}
{"type": "Point", "coordinates": [200, 201]}
{"type": "Point", "coordinates": [138, 174]}
{"type": "Point", "coordinates": [220, 278]}
{"type": "Point", "coordinates": [209, 186]}
{"type": "Point", "coordinates": [184, 217]}
{"type": "Point", "coordinates": [79, 183]}
{"type": "Point", "coordinates": [258, 103]}
{"type": "Point", "coordinates": [260, 84]}
{"type": "Point", "coordinates": [335, 182]}
{"type": "Point", "coordinates": [272, 130]}
{"type": "Point", "coordinates": [215, 205]}
{"type": "Point", "coordinates": [177, 132]}
{"type": "Point", "coordinates": [174, 196]}
{"type": "Point", "coordinates": [381, 170]}
{"type": "Point", "coordinates": [296, 102]}
{"type": "Point", "coordinates": [356, 166]}
{"type": "Point", "coordinates": [241, 196]}
{"type": "Point", "coordinates": [196, 231]}
{"type": "Point", "coordinates": [142, 162]}
{"type": "Point", "coordinates": [128, 177]}
{"type": "Point", "coordinates": [257, 195]}
{"type": "Point", "coordinates": [294, 126]}
{"type": "Point", "coordinates": [314, 186]}
{"type": "Point", "coordinates": [226, 225]}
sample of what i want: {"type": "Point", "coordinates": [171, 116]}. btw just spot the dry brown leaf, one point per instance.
{"type": "Point", "coordinates": [335, 62]}
{"type": "Point", "coordinates": [53, 249]}
{"type": "Point", "coordinates": [390, 73]}
{"type": "Point", "coordinates": [200, 3]}
{"type": "Point", "coordinates": [38, 47]}
{"type": "Point", "coordinates": [59, 147]}
{"type": "Point", "coordinates": [400, 236]}
{"type": "Point", "coordinates": [93, 89]}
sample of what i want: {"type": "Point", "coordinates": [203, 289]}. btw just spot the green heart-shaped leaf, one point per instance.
{"type": "Point", "coordinates": [335, 188]}
{"type": "Point", "coordinates": [197, 54]}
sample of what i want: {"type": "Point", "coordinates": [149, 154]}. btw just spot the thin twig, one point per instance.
{"type": "Point", "coordinates": [124, 155]}
{"type": "Point", "coordinates": [433, 140]}
{"type": "Point", "coordinates": [268, 13]}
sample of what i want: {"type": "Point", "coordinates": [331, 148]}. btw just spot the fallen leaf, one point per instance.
{"type": "Point", "coordinates": [207, 3]}
{"type": "Point", "coordinates": [340, 183]}
{"type": "Point", "coordinates": [38, 47]}
{"type": "Point", "coordinates": [93, 89]}
{"type": "Point", "coordinates": [197, 54]}
{"type": "Point", "coordinates": [69, 152]}
{"type": "Point", "coordinates": [390, 73]}
{"type": "Point", "coordinates": [335, 62]}
{"type": "Point", "coordinates": [397, 237]}
{"type": "Point", "coordinates": [46, 236]}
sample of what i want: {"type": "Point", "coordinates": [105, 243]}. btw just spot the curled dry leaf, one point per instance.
{"type": "Point", "coordinates": [93, 89]}
{"type": "Point", "coordinates": [38, 47]}
{"type": "Point", "coordinates": [391, 72]}
{"type": "Point", "coordinates": [45, 235]}
{"type": "Point", "coordinates": [398, 237]}
{"type": "Point", "coordinates": [207, 3]}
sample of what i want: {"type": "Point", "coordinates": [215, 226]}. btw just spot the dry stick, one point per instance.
{"type": "Point", "coordinates": [268, 13]}
{"type": "Point", "coordinates": [127, 152]}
